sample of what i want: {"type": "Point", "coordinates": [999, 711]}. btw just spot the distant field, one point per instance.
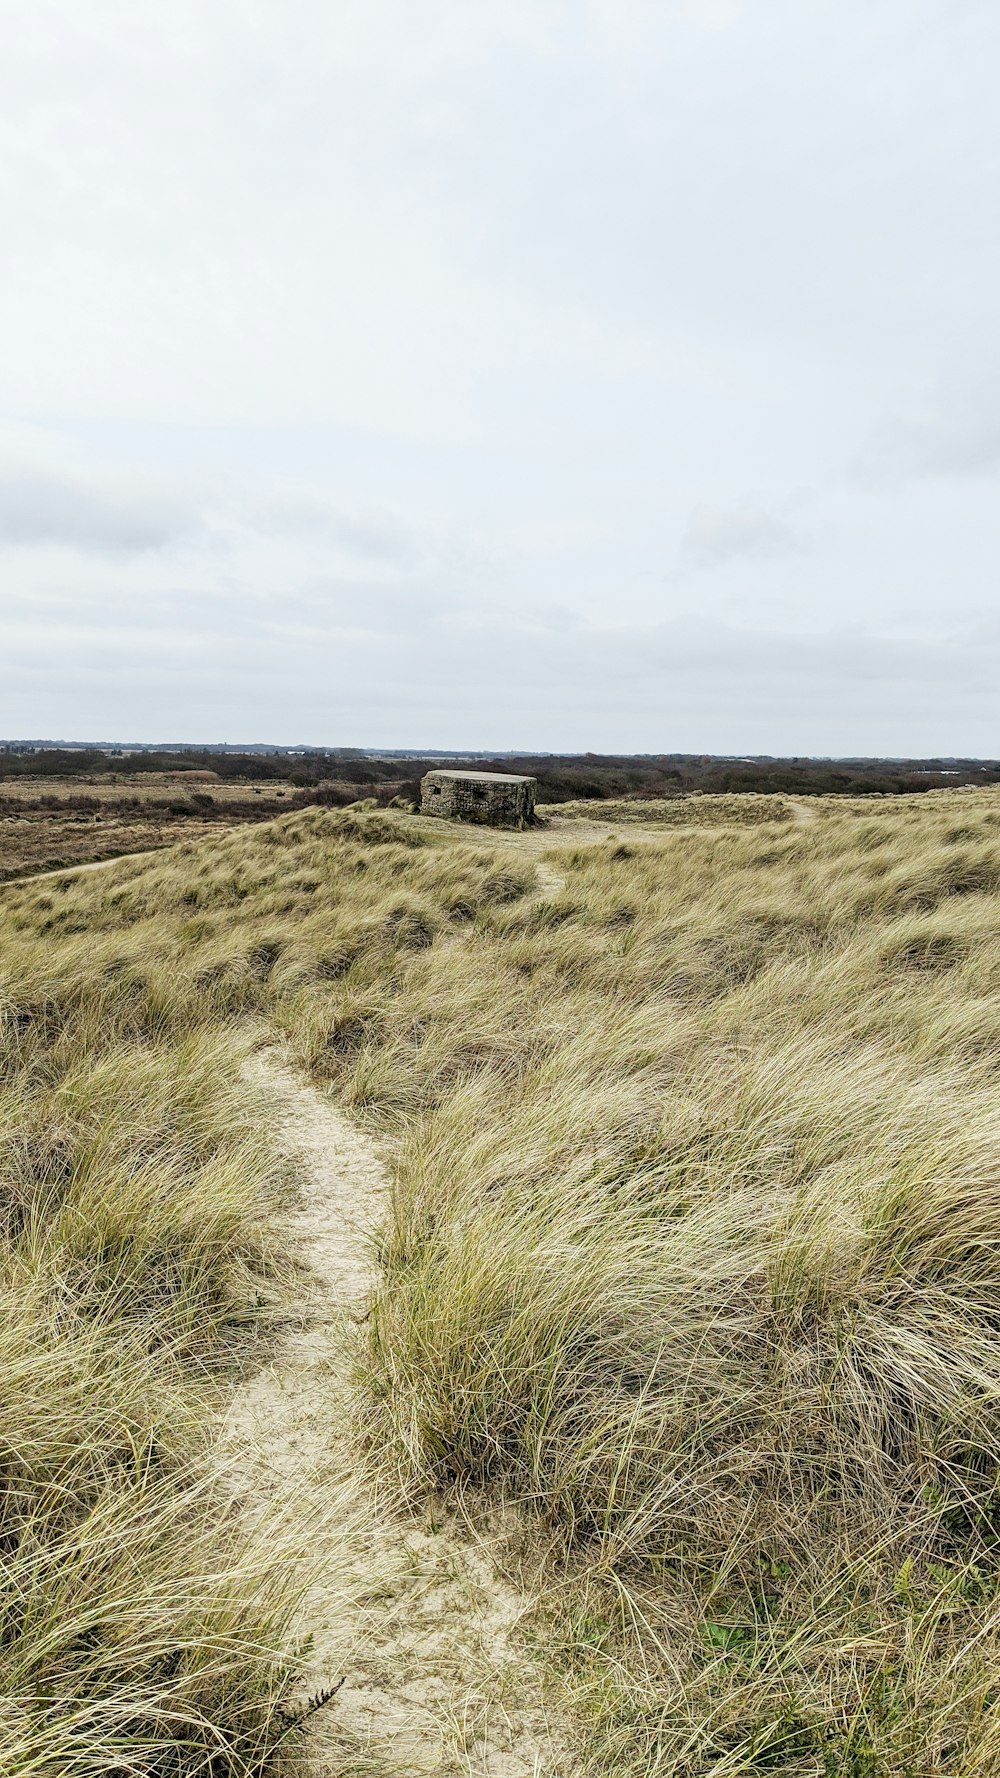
{"type": "Point", "coordinates": [46, 823]}
{"type": "Point", "coordinates": [754, 809]}
{"type": "Point", "coordinates": [746, 810]}
{"type": "Point", "coordinates": [145, 787]}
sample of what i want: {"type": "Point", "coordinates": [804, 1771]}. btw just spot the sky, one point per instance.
{"type": "Point", "coordinates": [618, 375]}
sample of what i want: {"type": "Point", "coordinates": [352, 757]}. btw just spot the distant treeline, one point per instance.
{"type": "Point", "coordinates": [343, 774]}
{"type": "Point", "coordinates": [678, 774]}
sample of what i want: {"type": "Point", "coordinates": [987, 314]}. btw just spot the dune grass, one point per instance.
{"type": "Point", "coordinates": [703, 809]}
{"type": "Point", "coordinates": [146, 1618]}
{"type": "Point", "coordinates": [144, 1628]}
{"type": "Point", "coordinates": [694, 1247]}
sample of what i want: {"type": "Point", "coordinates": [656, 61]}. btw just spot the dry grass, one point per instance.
{"type": "Point", "coordinates": [143, 1624]}
{"type": "Point", "coordinates": [151, 789]}
{"type": "Point", "coordinates": [46, 823]}
{"type": "Point", "coordinates": [146, 1624]}
{"type": "Point", "coordinates": [694, 1246]}
{"type": "Point", "coordinates": [750, 809]}
{"type": "Point", "coordinates": [53, 841]}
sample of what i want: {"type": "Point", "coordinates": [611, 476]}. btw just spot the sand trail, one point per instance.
{"type": "Point", "coordinates": [440, 1682]}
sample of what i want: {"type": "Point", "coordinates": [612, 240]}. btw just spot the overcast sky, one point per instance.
{"type": "Point", "coordinates": [611, 374]}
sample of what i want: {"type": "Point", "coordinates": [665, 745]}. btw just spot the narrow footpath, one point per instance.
{"type": "Point", "coordinates": [439, 1681]}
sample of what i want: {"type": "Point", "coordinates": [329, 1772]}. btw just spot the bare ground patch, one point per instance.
{"type": "Point", "coordinates": [440, 1680]}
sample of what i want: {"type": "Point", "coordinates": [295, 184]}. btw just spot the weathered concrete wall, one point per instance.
{"type": "Point", "coordinates": [494, 798]}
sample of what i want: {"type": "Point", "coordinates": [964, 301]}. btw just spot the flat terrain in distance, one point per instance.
{"type": "Point", "coordinates": [46, 823]}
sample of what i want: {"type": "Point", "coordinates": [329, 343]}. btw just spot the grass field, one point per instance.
{"type": "Point", "coordinates": [694, 1254]}
{"type": "Point", "coordinates": [46, 823]}
{"type": "Point", "coordinates": [748, 810]}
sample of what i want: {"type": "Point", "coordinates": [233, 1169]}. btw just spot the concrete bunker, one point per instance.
{"type": "Point", "coordinates": [497, 799]}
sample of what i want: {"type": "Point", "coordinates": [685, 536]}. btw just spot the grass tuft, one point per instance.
{"type": "Point", "coordinates": [693, 1251]}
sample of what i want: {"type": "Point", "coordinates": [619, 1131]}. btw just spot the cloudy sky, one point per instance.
{"type": "Point", "coordinates": [612, 374]}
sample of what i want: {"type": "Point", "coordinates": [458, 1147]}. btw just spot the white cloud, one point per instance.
{"type": "Point", "coordinates": [718, 535]}
{"type": "Point", "coordinates": [38, 508]}
{"type": "Point", "coordinates": [957, 432]}
{"type": "Point", "coordinates": [365, 364]}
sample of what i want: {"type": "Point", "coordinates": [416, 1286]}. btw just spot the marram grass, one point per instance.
{"type": "Point", "coordinates": [141, 1630]}
{"type": "Point", "coordinates": [694, 1250]}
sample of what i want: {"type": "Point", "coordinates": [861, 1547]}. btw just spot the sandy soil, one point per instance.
{"type": "Point", "coordinates": [441, 1682]}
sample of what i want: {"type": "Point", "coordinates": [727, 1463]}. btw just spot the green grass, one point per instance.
{"type": "Point", "coordinates": [694, 1247]}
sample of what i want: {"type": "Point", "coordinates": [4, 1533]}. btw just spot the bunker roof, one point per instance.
{"type": "Point", "coordinates": [483, 777]}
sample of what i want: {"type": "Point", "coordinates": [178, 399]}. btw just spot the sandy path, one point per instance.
{"type": "Point", "coordinates": [439, 1683]}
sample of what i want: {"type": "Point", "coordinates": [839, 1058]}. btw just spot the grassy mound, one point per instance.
{"type": "Point", "coordinates": [144, 1628]}
{"type": "Point", "coordinates": [751, 809]}
{"type": "Point", "coordinates": [695, 1244]}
